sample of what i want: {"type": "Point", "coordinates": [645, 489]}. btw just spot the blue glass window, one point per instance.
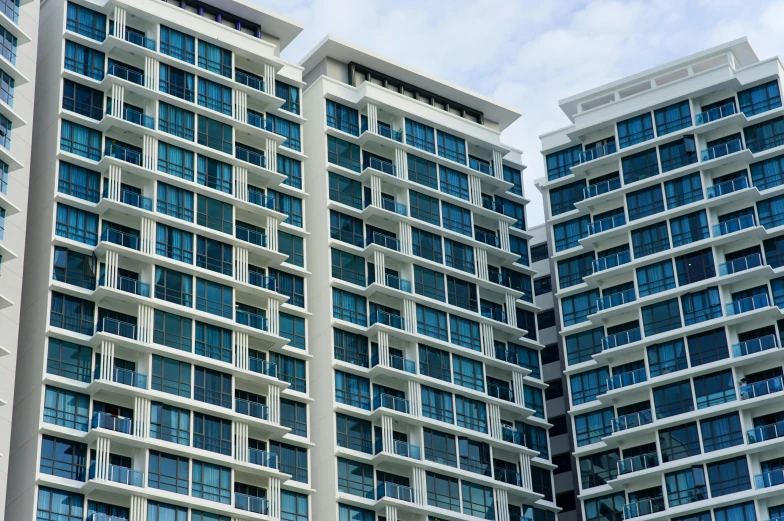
{"type": "Point", "coordinates": [289, 93]}
{"type": "Point", "coordinates": [59, 505]}
{"type": "Point", "coordinates": [576, 308]}
{"type": "Point", "coordinates": [72, 313]}
{"type": "Point", "coordinates": [293, 328]}
{"type": "Point", "coordinates": [519, 246]}
{"type": "Point", "coordinates": [581, 346]}
{"type": "Point", "coordinates": [678, 154]}
{"type": "Point", "coordinates": [513, 175]}
{"type": "Point", "coordinates": [63, 458]}
{"type": "Point", "coordinates": [771, 212]}
{"type": "Point", "coordinates": [701, 306]}
{"type": "Point", "coordinates": [585, 387]}
{"type": "Point", "coordinates": [424, 208]}
{"type": "Point", "coordinates": [172, 331]}
{"type": "Point", "coordinates": [420, 136]}
{"type": "Point", "coordinates": [437, 404]}
{"type": "Point", "coordinates": [760, 98]}
{"type": "Point", "coordinates": [459, 256]}
{"type": "Point", "coordinates": [290, 205]}
{"type": "Point", "coordinates": [451, 147]}
{"type": "Point", "coordinates": [164, 512]}
{"type": "Point", "coordinates": [287, 129]}
{"type": "Point", "coordinates": [178, 45]}
{"type": "Point", "coordinates": [349, 307]}
{"type": "Point", "coordinates": [427, 245]}
{"type": "Point", "coordinates": [741, 512]}
{"type": "Point", "coordinates": [559, 163]}
{"type": "Point", "coordinates": [635, 130]}
{"type": "Point", "coordinates": [468, 373]}
{"type": "Point", "coordinates": [173, 286]}
{"type": "Point", "coordinates": [69, 360]}
{"type": "Point", "coordinates": [423, 172]}
{"type": "Point", "coordinates": [765, 135]}
{"type": "Point", "coordinates": [293, 246]}
{"type": "Point", "coordinates": [431, 322]}
{"type": "Point", "coordinates": [455, 218]}
{"type": "Point", "coordinates": [641, 165]}
{"type": "Point", "coordinates": [176, 82]}
{"type": "Point", "coordinates": [346, 228]}
{"type": "Point", "coordinates": [452, 182]}
{"type": "Point", "coordinates": [343, 153]}
{"type": "Point", "coordinates": [168, 472]}
{"type": "Point", "coordinates": [175, 121]}
{"type": "Point", "coordinates": [673, 399]}
{"type": "Point", "coordinates": [67, 408]}
{"type": "Point", "coordinates": [352, 390]}
{"type": "Point", "coordinates": [667, 357]}
{"type": "Point", "coordinates": [714, 389]}
{"type": "Point", "coordinates": [661, 317]}
{"type": "Point", "coordinates": [292, 169]}
{"type": "Point", "coordinates": [342, 118]}
{"type": "Point", "coordinates": [645, 202]}
{"type": "Point", "coordinates": [655, 278]}
{"type": "Point", "coordinates": [768, 173]}
{"type": "Point", "coordinates": [562, 199]}
{"type": "Point", "coordinates": [83, 60]}
{"type": "Point", "coordinates": [214, 298]}
{"type": "Point", "coordinates": [672, 118]}
{"type": "Point", "coordinates": [568, 234]}
{"type": "Point", "coordinates": [214, 174]}
{"type": "Point", "coordinates": [211, 482]}
{"type": "Point", "coordinates": [215, 59]}
{"type": "Point", "coordinates": [684, 190]}
{"type": "Point", "coordinates": [213, 342]}
{"type": "Point", "coordinates": [512, 209]}
{"type": "Point", "coordinates": [175, 202]}
{"type": "Point", "coordinates": [215, 96]}
{"type": "Point", "coordinates": [82, 100]}
{"type": "Point", "coordinates": [689, 228]}
{"type": "Point", "coordinates": [79, 182]}
{"type": "Point", "coordinates": [592, 427]}
{"type": "Point", "coordinates": [695, 266]}
{"type": "Point", "coordinates": [175, 161]}
{"type": "Point", "coordinates": [728, 477]}
{"type": "Point", "coordinates": [80, 140]}
{"type": "Point", "coordinates": [174, 243]}
{"type": "Point", "coordinates": [464, 332]}
{"type": "Point", "coordinates": [214, 134]}
{"type": "Point", "coordinates": [650, 239]}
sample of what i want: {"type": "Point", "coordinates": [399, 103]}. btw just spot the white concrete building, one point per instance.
{"type": "Point", "coordinates": [664, 211]}
{"type": "Point", "coordinates": [163, 356]}
{"type": "Point", "coordinates": [427, 378]}
{"type": "Point", "coordinates": [18, 32]}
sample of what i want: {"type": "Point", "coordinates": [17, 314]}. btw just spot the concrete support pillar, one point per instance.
{"type": "Point", "coordinates": [240, 175]}
{"type": "Point", "coordinates": [148, 236]}
{"type": "Point", "coordinates": [141, 414]}
{"type": "Point", "coordinates": [480, 257]}
{"type": "Point", "coordinates": [150, 153]}
{"type": "Point", "coordinates": [372, 117]}
{"type": "Point", "coordinates": [240, 263]}
{"type": "Point", "coordinates": [146, 324]}
{"type": "Point", "coordinates": [498, 164]}
{"type": "Point", "coordinates": [241, 441]}
{"type": "Point", "coordinates": [241, 356]}
{"type": "Point", "coordinates": [151, 72]}
{"type": "Point", "coordinates": [273, 316]}
{"type": "Point", "coordinates": [488, 343]}
{"type": "Point", "coordinates": [240, 105]}
{"type": "Point", "coordinates": [269, 79]}
{"type": "Point", "coordinates": [401, 163]}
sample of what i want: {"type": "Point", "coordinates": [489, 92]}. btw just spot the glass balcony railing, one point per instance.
{"type": "Point", "coordinates": [506, 355]}
{"type": "Point", "coordinates": [606, 224]}
{"type": "Point", "coordinates": [140, 40]}
{"type": "Point", "coordinates": [135, 117]}
{"type": "Point", "coordinates": [491, 239]}
{"type": "Point", "coordinates": [254, 409]}
{"type": "Point", "coordinates": [395, 282]}
{"type": "Point", "coordinates": [395, 403]}
{"type": "Point", "coordinates": [102, 420]}
{"type": "Point", "coordinates": [639, 462]}
{"type": "Point", "coordinates": [742, 264]}
{"type": "Point", "coordinates": [258, 121]}
{"type": "Point", "coordinates": [255, 504]}
{"type": "Point", "coordinates": [733, 225]}
{"type": "Point", "coordinates": [388, 132]}
{"type": "Point", "coordinates": [629, 421]}
{"type": "Point", "coordinates": [263, 458]}
{"type": "Point", "coordinates": [763, 388]}
{"type": "Point", "coordinates": [388, 319]}
{"type": "Point", "coordinates": [511, 477]}
{"type": "Point", "coordinates": [748, 304]}
{"type": "Point", "coordinates": [122, 153]}
{"type": "Point", "coordinates": [125, 377]}
{"type": "Point", "coordinates": [601, 188]}
{"type": "Point", "coordinates": [251, 236]}
{"type": "Point", "coordinates": [626, 379]}
{"type": "Point", "coordinates": [129, 285]}
{"type": "Point", "coordinates": [98, 516]}
{"type": "Point", "coordinates": [768, 479]}
{"type": "Point", "coordinates": [383, 240]}
{"type": "Point", "coordinates": [755, 345]}
{"type": "Point", "coordinates": [118, 474]}
{"type": "Point", "coordinates": [622, 338]}
{"type": "Point", "coordinates": [248, 80]}
{"type": "Point", "coordinates": [253, 320]}
{"type": "Point", "coordinates": [728, 109]}
{"type": "Point", "coordinates": [512, 436]}
{"type": "Point", "coordinates": [400, 448]}
{"type": "Point", "coordinates": [727, 187]}
{"type": "Point", "coordinates": [501, 392]}
{"type": "Point", "coordinates": [766, 432]}
{"type": "Point", "coordinates": [480, 166]}
{"type": "Point", "coordinates": [261, 281]}
{"type": "Point", "coordinates": [131, 198]}
{"type": "Point", "coordinates": [394, 491]}
{"type": "Point", "coordinates": [125, 73]}
{"type": "Point", "coordinates": [250, 156]}
{"type": "Point", "coordinates": [117, 327]}
{"type": "Point", "coordinates": [643, 508]}
{"type": "Point", "coordinates": [616, 299]}
{"type": "Point", "coordinates": [402, 364]}
{"type": "Point", "coordinates": [261, 366]}
{"type": "Point", "coordinates": [611, 261]}
{"type": "Point", "coordinates": [260, 199]}
{"type": "Point", "coordinates": [391, 205]}
{"type": "Point", "coordinates": [493, 313]}
{"type": "Point", "coordinates": [382, 166]}
{"type": "Point", "coordinates": [721, 150]}
{"type": "Point", "coordinates": [597, 152]}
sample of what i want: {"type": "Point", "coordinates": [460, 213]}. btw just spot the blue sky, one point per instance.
{"type": "Point", "coordinates": [531, 53]}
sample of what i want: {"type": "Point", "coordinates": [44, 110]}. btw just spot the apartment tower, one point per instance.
{"type": "Point", "coordinates": [18, 53]}
{"type": "Point", "coordinates": [664, 210]}
{"type": "Point", "coordinates": [163, 349]}
{"type": "Point", "coordinates": [427, 377]}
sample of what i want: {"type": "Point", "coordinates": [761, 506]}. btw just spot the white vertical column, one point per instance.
{"type": "Point", "coordinates": [401, 163]}
{"type": "Point", "coordinates": [272, 233]}
{"type": "Point", "coordinates": [241, 354]}
{"type": "Point", "coordinates": [107, 360]}
{"type": "Point", "coordinates": [372, 117]}
{"type": "Point", "coordinates": [272, 154]}
{"type": "Point", "coordinates": [404, 236]}
{"type": "Point", "coordinates": [146, 323]}
{"type": "Point", "coordinates": [503, 232]}
{"type": "Point", "coordinates": [498, 164]}
{"type": "Point", "coordinates": [151, 72]}
{"type": "Point", "coordinates": [488, 343]}
{"type": "Point", "coordinates": [409, 315]}
{"type": "Point", "coordinates": [387, 438]}
{"type": "Point", "coordinates": [114, 182]}
{"type": "Point", "coordinates": [273, 316]}
{"type": "Point", "coordinates": [119, 22]}
{"type": "Point", "coordinates": [375, 191]}
{"type": "Point", "coordinates": [525, 471]}
{"type": "Point", "coordinates": [118, 98]}
{"type": "Point", "coordinates": [150, 153]}
{"type": "Point", "coordinates": [414, 398]}
{"type": "Point", "coordinates": [274, 499]}
{"type": "Point", "coordinates": [110, 273]}
{"type": "Point", "coordinates": [494, 421]}
{"type": "Point", "coordinates": [390, 512]}
{"type": "Point", "coordinates": [273, 404]}
{"type": "Point", "coordinates": [501, 503]}
{"type": "Point", "coordinates": [148, 236]}
{"type": "Point", "coordinates": [511, 306]}
{"type": "Point", "coordinates": [141, 414]}
{"type": "Point", "coordinates": [240, 183]}
{"type": "Point", "coordinates": [420, 485]}
{"type": "Point", "coordinates": [480, 257]}
{"type": "Point", "coordinates": [517, 385]}
{"type": "Point", "coordinates": [240, 105]}
{"type": "Point", "coordinates": [475, 189]}
{"type": "Point", "coordinates": [269, 79]}
{"type": "Point", "coordinates": [240, 264]}
{"type": "Point", "coordinates": [138, 508]}
{"type": "Point", "coordinates": [379, 267]}
{"type": "Point", "coordinates": [102, 451]}
{"type": "Point", "coordinates": [240, 441]}
{"type": "Point", "coordinates": [383, 348]}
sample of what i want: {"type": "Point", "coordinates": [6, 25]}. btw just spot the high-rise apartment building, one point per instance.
{"type": "Point", "coordinates": [163, 357]}
{"type": "Point", "coordinates": [18, 32]}
{"type": "Point", "coordinates": [664, 210]}
{"type": "Point", "coordinates": [426, 375]}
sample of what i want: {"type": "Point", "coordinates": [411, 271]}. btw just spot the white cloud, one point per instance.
{"type": "Point", "coordinates": [531, 54]}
